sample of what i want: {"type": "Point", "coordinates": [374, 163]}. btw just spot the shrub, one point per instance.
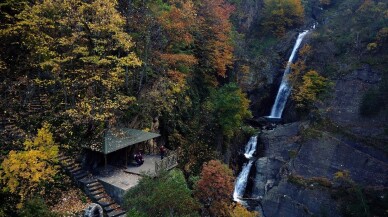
{"type": "Point", "coordinates": [36, 207]}
{"type": "Point", "coordinates": [313, 89]}
{"type": "Point", "coordinates": [165, 195]}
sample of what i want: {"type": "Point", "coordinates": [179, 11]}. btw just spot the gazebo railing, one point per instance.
{"type": "Point", "coordinates": [167, 163]}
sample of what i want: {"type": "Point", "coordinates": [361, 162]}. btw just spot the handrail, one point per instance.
{"type": "Point", "coordinates": [167, 163]}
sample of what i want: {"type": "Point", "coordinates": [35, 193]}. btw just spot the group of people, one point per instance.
{"type": "Point", "coordinates": [139, 156]}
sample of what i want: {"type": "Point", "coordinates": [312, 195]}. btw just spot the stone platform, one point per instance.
{"type": "Point", "coordinates": [116, 182]}
{"type": "Point", "coordinates": [147, 168]}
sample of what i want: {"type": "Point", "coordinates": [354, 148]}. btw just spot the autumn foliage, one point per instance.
{"type": "Point", "coordinates": [215, 186]}
{"type": "Point", "coordinates": [214, 190]}
{"type": "Point", "coordinates": [216, 183]}
{"type": "Point", "coordinates": [237, 210]}
{"type": "Point", "coordinates": [313, 89]}
{"type": "Point", "coordinates": [215, 29]}
{"type": "Point", "coordinates": [178, 21]}
{"type": "Point", "coordinates": [25, 172]}
{"type": "Point", "coordinates": [280, 15]}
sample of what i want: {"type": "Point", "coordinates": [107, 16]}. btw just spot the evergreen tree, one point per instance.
{"type": "Point", "coordinates": [167, 195]}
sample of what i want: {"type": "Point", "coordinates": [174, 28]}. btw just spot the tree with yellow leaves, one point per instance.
{"type": "Point", "coordinates": [237, 210]}
{"type": "Point", "coordinates": [279, 15]}
{"type": "Point", "coordinates": [83, 49]}
{"type": "Point", "coordinates": [25, 172]}
{"type": "Point", "coordinates": [313, 88]}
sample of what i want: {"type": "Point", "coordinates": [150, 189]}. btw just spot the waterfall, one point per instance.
{"type": "Point", "coordinates": [285, 88]}
{"type": "Point", "coordinates": [241, 182]}
{"type": "Point", "coordinates": [242, 178]}
{"type": "Point", "coordinates": [250, 148]}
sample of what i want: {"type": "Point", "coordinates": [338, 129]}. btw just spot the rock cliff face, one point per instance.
{"type": "Point", "coordinates": [296, 173]}
{"type": "Point", "coordinates": [343, 109]}
{"type": "Point", "coordinates": [296, 176]}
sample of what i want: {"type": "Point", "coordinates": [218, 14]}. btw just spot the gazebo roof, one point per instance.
{"type": "Point", "coordinates": [119, 138]}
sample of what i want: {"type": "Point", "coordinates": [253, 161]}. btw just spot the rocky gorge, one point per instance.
{"type": "Point", "coordinates": [332, 160]}
{"type": "Point", "coordinates": [299, 169]}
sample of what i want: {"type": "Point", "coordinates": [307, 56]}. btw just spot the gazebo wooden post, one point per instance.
{"type": "Point", "coordinates": [126, 157]}
{"type": "Point", "coordinates": [105, 160]}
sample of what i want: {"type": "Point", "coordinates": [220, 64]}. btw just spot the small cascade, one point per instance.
{"type": "Point", "coordinates": [285, 88]}
{"type": "Point", "coordinates": [250, 148]}
{"type": "Point", "coordinates": [241, 182]}
{"type": "Point", "coordinates": [242, 179]}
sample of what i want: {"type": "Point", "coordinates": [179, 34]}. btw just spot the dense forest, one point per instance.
{"type": "Point", "coordinates": [203, 74]}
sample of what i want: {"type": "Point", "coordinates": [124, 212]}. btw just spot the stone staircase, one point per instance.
{"type": "Point", "coordinates": [11, 120]}
{"type": "Point", "coordinates": [91, 186]}
{"type": "Point", "coordinates": [38, 104]}
{"type": "Point", "coordinates": [9, 130]}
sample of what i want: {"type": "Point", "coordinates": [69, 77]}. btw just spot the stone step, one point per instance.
{"type": "Point", "coordinates": [68, 160]}
{"type": "Point", "coordinates": [87, 181]}
{"type": "Point", "coordinates": [80, 176]}
{"type": "Point", "coordinates": [100, 196]}
{"type": "Point", "coordinates": [71, 164]}
{"type": "Point", "coordinates": [116, 213]}
{"type": "Point", "coordinates": [63, 158]}
{"type": "Point", "coordinates": [112, 207]}
{"type": "Point", "coordinates": [123, 215]}
{"type": "Point", "coordinates": [10, 127]}
{"type": "Point", "coordinates": [93, 184]}
{"type": "Point", "coordinates": [79, 172]}
{"type": "Point", "coordinates": [75, 170]}
{"type": "Point", "coordinates": [74, 166]}
{"type": "Point", "coordinates": [96, 187]}
{"type": "Point", "coordinates": [68, 164]}
{"type": "Point", "coordinates": [35, 106]}
{"type": "Point", "coordinates": [98, 191]}
{"type": "Point", "coordinates": [109, 208]}
{"type": "Point", "coordinates": [11, 120]}
{"type": "Point", "coordinates": [105, 202]}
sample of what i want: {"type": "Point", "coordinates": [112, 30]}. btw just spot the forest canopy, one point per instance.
{"type": "Point", "coordinates": [203, 74]}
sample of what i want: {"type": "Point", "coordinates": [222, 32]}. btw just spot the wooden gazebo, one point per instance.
{"type": "Point", "coordinates": [121, 138]}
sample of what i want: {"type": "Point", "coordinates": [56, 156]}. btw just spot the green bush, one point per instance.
{"type": "Point", "coordinates": [230, 106]}
{"type": "Point", "coordinates": [166, 195]}
{"type": "Point", "coordinates": [135, 213]}
{"type": "Point", "coordinates": [36, 207]}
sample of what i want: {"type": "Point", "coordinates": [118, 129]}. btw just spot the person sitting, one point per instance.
{"type": "Point", "coordinates": [139, 159]}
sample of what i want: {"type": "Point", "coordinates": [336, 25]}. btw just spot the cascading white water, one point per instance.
{"type": "Point", "coordinates": [241, 182]}
{"type": "Point", "coordinates": [250, 148]}
{"type": "Point", "coordinates": [242, 178]}
{"type": "Point", "coordinates": [285, 88]}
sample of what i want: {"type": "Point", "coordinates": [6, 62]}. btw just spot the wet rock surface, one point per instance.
{"type": "Point", "coordinates": [287, 200]}
{"type": "Point", "coordinates": [278, 196]}
{"type": "Point", "coordinates": [327, 155]}
{"type": "Point", "coordinates": [343, 107]}
{"type": "Point", "coordinates": [289, 152]}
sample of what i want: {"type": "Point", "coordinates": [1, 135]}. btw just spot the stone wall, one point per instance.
{"type": "Point", "coordinates": [116, 193]}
